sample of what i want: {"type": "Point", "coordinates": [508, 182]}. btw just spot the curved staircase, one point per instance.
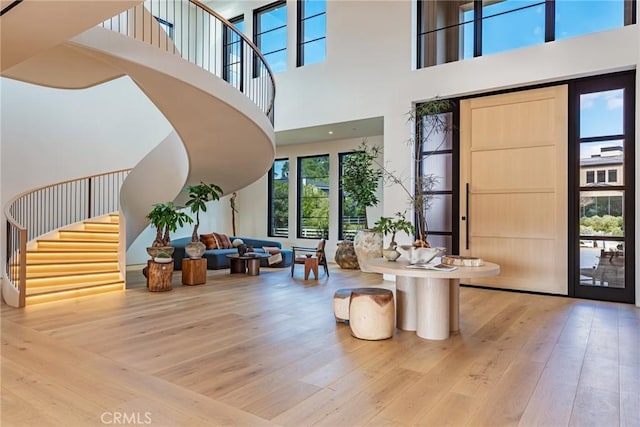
{"type": "Point", "coordinates": [223, 132]}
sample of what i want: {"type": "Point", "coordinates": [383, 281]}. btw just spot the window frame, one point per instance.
{"type": "Point", "coordinates": [299, 191]}
{"type": "Point", "coordinates": [227, 48]}
{"type": "Point", "coordinates": [270, 199]}
{"type": "Point", "coordinates": [257, 32]}
{"type": "Point", "coordinates": [341, 195]}
{"type": "Point", "coordinates": [300, 43]}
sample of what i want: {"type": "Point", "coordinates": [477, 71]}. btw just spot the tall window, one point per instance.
{"type": "Point", "coordinates": [313, 197]}
{"type": "Point", "coordinates": [279, 199]}
{"type": "Point", "coordinates": [454, 30]}
{"type": "Point", "coordinates": [232, 67]}
{"type": "Point", "coordinates": [602, 212]}
{"type": "Point", "coordinates": [270, 34]}
{"type": "Point", "coordinates": [312, 31]}
{"type": "Point", "coordinates": [351, 216]}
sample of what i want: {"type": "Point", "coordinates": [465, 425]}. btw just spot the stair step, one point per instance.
{"type": "Point", "coordinates": [70, 268]}
{"type": "Point", "coordinates": [89, 235]}
{"type": "Point", "coordinates": [86, 279]}
{"type": "Point", "coordinates": [63, 294]}
{"type": "Point", "coordinates": [101, 226]}
{"type": "Point", "coordinates": [114, 218]}
{"type": "Point", "coordinates": [54, 257]}
{"type": "Point", "coordinates": [77, 245]}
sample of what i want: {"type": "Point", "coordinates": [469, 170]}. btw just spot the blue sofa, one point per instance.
{"type": "Point", "coordinates": [217, 258]}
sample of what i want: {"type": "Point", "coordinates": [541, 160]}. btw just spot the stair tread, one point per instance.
{"type": "Point", "coordinates": [62, 288]}
{"type": "Point", "coordinates": [68, 263]}
{"type": "Point", "coordinates": [74, 241]}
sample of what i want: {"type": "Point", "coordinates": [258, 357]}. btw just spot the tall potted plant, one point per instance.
{"type": "Point", "coordinates": [199, 195]}
{"type": "Point", "coordinates": [360, 180]}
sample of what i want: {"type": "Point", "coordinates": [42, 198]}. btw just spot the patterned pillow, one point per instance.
{"type": "Point", "coordinates": [223, 241]}
{"type": "Point", "coordinates": [209, 241]}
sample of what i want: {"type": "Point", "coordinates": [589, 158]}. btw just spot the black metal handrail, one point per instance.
{"type": "Point", "coordinates": [48, 208]}
{"type": "Point", "coordinates": [199, 35]}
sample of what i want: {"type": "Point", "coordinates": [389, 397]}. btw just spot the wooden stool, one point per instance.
{"type": "Point", "coordinates": [310, 264]}
{"type": "Point", "coordinates": [341, 300]}
{"type": "Point", "coordinates": [194, 271]}
{"type": "Point", "coordinates": [371, 313]}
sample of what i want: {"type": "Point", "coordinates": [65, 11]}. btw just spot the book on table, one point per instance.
{"type": "Point", "coordinates": [436, 267]}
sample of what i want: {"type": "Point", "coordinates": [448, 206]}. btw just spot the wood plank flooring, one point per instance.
{"type": "Point", "coordinates": [253, 351]}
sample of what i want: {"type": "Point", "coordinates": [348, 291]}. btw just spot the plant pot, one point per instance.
{"type": "Point", "coordinates": [154, 251]}
{"type": "Point", "coordinates": [195, 250]}
{"type": "Point", "coordinates": [367, 245]}
{"type": "Point", "coordinates": [346, 256]}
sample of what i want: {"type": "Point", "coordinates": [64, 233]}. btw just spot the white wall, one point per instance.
{"type": "Point", "coordinates": [51, 135]}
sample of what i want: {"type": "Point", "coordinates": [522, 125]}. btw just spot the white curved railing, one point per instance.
{"type": "Point", "coordinates": [199, 35]}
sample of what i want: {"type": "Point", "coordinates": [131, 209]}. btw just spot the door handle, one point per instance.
{"type": "Point", "coordinates": [466, 218]}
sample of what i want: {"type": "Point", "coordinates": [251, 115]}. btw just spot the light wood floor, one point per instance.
{"type": "Point", "coordinates": [266, 351]}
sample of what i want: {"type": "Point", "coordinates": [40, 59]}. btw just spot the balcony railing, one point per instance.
{"type": "Point", "coordinates": [48, 208]}
{"type": "Point", "coordinates": [201, 36]}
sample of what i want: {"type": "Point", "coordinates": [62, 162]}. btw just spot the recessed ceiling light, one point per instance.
{"type": "Point", "coordinates": [330, 132]}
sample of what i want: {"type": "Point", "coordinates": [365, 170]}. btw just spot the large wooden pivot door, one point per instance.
{"type": "Point", "coordinates": [513, 182]}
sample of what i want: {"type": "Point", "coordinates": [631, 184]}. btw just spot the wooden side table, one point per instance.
{"type": "Point", "coordinates": [194, 271]}
{"type": "Point", "coordinates": [159, 276]}
{"type": "Point", "coordinates": [311, 264]}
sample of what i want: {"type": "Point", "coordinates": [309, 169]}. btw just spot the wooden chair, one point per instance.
{"type": "Point", "coordinates": [300, 254]}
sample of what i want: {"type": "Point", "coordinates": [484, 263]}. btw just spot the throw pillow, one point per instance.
{"type": "Point", "coordinates": [209, 241]}
{"type": "Point", "coordinates": [223, 241]}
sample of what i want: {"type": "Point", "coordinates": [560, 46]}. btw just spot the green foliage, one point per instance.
{"type": "Point", "coordinates": [199, 195]}
{"type": "Point", "coordinates": [361, 177]}
{"type": "Point", "coordinates": [166, 217]}
{"type": "Point", "coordinates": [387, 225]}
{"type": "Point", "coordinates": [315, 209]}
{"type": "Point", "coordinates": [602, 225]}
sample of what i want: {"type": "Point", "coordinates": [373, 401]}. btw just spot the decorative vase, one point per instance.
{"type": "Point", "coordinates": [195, 250]}
{"type": "Point", "coordinates": [367, 245]}
{"type": "Point", "coordinates": [346, 256]}
{"type": "Point", "coordinates": [390, 253]}
{"type": "Point", "coordinates": [242, 249]}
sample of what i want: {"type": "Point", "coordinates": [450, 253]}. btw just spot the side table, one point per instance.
{"type": "Point", "coordinates": [194, 271]}
{"type": "Point", "coordinates": [159, 276]}
{"type": "Point", "coordinates": [311, 264]}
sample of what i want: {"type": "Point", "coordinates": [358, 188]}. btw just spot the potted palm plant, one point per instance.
{"type": "Point", "coordinates": [199, 195]}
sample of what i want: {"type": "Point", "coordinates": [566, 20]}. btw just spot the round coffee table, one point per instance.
{"type": "Point", "coordinates": [248, 263]}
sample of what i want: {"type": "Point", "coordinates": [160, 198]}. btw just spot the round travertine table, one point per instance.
{"type": "Point", "coordinates": [428, 301]}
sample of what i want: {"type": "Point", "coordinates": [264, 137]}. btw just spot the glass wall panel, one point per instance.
{"type": "Point", "coordinates": [575, 18]}
{"type": "Point", "coordinates": [279, 199]}
{"type": "Point", "coordinates": [313, 197]}
{"type": "Point", "coordinates": [512, 24]}
{"type": "Point", "coordinates": [601, 113]}
{"type": "Point", "coordinates": [441, 166]}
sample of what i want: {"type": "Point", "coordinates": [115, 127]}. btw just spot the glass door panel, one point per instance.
{"type": "Point", "coordinates": [604, 221]}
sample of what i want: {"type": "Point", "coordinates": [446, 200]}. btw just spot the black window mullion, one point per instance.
{"type": "Point", "coordinates": [550, 21]}
{"type": "Point", "coordinates": [477, 27]}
